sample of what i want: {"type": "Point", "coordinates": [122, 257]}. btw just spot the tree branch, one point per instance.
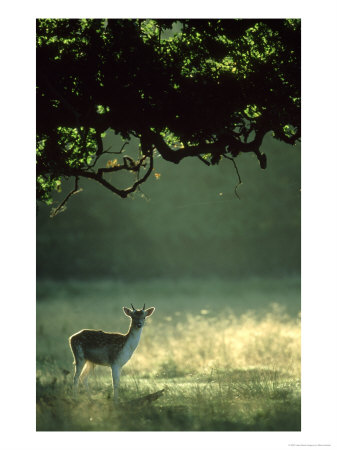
{"type": "Point", "coordinates": [98, 176]}
{"type": "Point", "coordinates": [100, 151]}
{"type": "Point", "coordinates": [61, 206]}
{"type": "Point", "coordinates": [204, 161]}
{"type": "Point", "coordinates": [226, 144]}
{"type": "Point", "coordinates": [129, 164]}
{"type": "Point", "coordinates": [141, 180]}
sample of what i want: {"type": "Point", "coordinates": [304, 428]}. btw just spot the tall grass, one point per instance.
{"type": "Point", "coordinates": [222, 367]}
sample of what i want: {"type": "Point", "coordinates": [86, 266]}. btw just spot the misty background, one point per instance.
{"type": "Point", "coordinates": [186, 222]}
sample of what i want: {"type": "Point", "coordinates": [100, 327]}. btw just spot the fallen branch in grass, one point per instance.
{"type": "Point", "coordinates": [146, 399]}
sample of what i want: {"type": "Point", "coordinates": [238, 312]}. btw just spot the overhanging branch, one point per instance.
{"type": "Point", "coordinates": [98, 176]}
{"type": "Point", "coordinates": [227, 144]}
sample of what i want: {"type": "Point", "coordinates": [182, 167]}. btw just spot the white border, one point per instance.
{"type": "Point", "coordinates": [318, 215]}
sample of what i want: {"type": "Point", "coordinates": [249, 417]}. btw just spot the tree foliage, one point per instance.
{"type": "Point", "coordinates": [189, 88]}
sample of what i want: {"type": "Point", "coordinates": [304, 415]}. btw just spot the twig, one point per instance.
{"type": "Point", "coordinates": [121, 150]}
{"type": "Point", "coordinates": [101, 152]}
{"type": "Point", "coordinates": [238, 174]}
{"type": "Point", "coordinates": [61, 207]}
{"type": "Point", "coordinates": [141, 180]}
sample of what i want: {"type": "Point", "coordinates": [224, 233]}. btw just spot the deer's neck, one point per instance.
{"type": "Point", "coordinates": [132, 337]}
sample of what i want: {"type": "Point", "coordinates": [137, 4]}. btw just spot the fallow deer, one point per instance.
{"type": "Point", "coordinates": [97, 347]}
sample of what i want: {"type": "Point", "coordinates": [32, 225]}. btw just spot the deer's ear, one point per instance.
{"type": "Point", "coordinates": [149, 311]}
{"type": "Point", "coordinates": [127, 311]}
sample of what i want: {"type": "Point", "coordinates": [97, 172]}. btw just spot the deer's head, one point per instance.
{"type": "Point", "coordinates": [138, 316]}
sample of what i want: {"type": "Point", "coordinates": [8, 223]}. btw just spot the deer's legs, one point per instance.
{"type": "Point", "coordinates": [115, 372]}
{"type": "Point", "coordinates": [88, 367]}
{"type": "Point", "coordinates": [78, 369]}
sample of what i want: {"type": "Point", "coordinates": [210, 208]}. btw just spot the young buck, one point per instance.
{"type": "Point", "coordinates": [91, 347]}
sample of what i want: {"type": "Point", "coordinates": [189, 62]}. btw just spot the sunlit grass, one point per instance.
{"type": "Point", "coordinates": [221, 369]}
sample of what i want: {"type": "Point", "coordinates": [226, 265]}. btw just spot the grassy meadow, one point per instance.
{"type": "Point", "coordinates": [227, 354]}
